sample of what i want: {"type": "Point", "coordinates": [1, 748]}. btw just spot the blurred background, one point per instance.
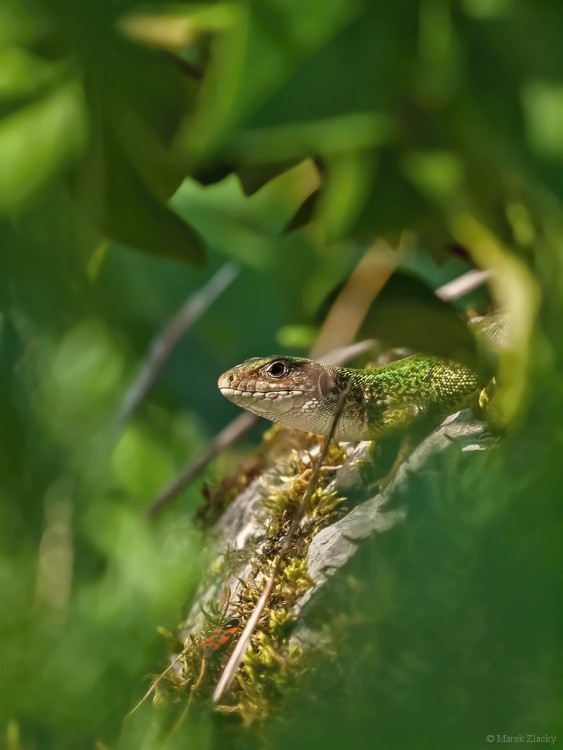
{"type": "Point", "coordinates": [262, 147]}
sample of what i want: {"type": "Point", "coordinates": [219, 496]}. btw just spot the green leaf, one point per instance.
{"type": "Point", "coordinates": [111, 191]}
{"type": "Point", "coordinates": [256, 48]}
{"type": "Point", "coordinates": [22, 74]}
{"type": "Point", "coordinates": [37, 141]}
{"type": "Point", "coordinates": [19, 22]}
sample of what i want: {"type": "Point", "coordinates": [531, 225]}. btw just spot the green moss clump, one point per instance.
{"type": "Point", "coordinates": [271, 666]}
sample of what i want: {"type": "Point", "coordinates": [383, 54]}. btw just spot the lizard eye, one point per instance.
{"type": "Point", "coordinates": [277, 369]}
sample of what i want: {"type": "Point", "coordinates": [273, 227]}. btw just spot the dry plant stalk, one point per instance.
{"type": "Point", "coordinates": [243, 643]}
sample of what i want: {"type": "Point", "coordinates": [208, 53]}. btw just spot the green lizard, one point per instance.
{"type": "Point", "coordinates": [408, 397]}
{"type": "Point", "coordinates": [304, 394]}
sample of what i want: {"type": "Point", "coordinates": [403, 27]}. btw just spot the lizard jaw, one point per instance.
{"type": "Point", "coordinates": [264, 404]}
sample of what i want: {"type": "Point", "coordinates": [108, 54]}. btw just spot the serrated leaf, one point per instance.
{"type": "Point", "coordinates": [111, 192]}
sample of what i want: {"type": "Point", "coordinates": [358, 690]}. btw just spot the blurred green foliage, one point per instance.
{"type": "Point", "coordinates": [200, 132]}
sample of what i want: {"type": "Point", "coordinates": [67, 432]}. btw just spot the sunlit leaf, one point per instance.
{"type": "Point", "coordinates": [21, 74]}
{"type": "Point", "coordinates": [37, 141]}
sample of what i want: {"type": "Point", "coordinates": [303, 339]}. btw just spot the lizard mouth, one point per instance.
{"type": "Point", "coordinates": [239, 393]}
{"type": "Point", "coordinates": [268, 400]}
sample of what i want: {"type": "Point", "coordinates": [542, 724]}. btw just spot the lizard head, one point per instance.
{"type": "Point", "coordinates": [278, 387]}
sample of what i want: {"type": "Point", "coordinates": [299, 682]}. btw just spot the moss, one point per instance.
{"type": "Point", "coordinates": [271, 666]}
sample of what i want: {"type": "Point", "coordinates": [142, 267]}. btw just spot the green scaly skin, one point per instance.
{"type": "Point", "coordinates": [411, 395]}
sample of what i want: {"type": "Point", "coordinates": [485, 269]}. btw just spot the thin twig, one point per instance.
{"type": "Point", "coordinates": [158, 678]}
{"type": "Point", "coordinates": [344, 354]}
{"type": "Point", "coordinates": [188, 67]}
{"type": "Point", "coordinates": [462, 285]}
{"type": "Point", "coordinates": [244, 640]}
{"type": "Point", "coordinates": [228, 435]}
{"type": "Point", "coordinates": [165, 341]}
{"type": "Point", "coordinates": [195, 687]}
